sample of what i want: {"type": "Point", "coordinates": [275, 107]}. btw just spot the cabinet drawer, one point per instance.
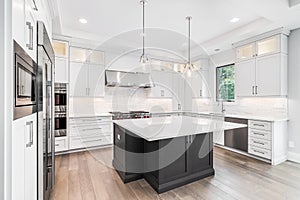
{"type": "Point", "coordinates": [260, 125]}
{"type": "Point", "coordinates": [265, 135]}
{"type": "Point", "coordinates": [265, 144]}
{"type": "Point", "coordinates": [91, 130]}
{"type": "Point", "coordinates": [259, 152]}
{"type": "Point", "coordinates": [61, 145]}
{"type": "Point", "coordinates": [86, 142]}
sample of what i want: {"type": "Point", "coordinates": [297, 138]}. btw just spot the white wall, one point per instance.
{"type": "Point", "coordinates": [294, 94]}
{"type": "Point", "coordinates": [6, 100]}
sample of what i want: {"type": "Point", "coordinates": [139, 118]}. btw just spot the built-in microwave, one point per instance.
{"type": "Point", "coordinates": [25, 83]}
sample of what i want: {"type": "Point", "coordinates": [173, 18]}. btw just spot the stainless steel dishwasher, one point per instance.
{"type": "Point", "coordinates": [237, 138]}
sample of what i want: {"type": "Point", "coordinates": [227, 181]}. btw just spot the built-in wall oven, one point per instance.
{"type": "Point", "coordinates": [25, 75]}
{"type": "Point", "coordinates": [60, 109]}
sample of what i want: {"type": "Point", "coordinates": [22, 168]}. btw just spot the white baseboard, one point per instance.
{"type": "Point", "coordinates": [294, 157]}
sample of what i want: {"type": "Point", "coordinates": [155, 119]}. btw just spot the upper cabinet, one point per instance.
{"type": "Point", "coordinates": [86, 73]}
{"type": "Point", "coordinates": [162, 84]}
{"type": "Point", "coordinates": [86, 55]}
{"type": "Point", "coordinates": [25, 14]}
{"type": "Point", "coordinates": [61, 50]}
{"type": "Point", "coordinates": [261, 67]}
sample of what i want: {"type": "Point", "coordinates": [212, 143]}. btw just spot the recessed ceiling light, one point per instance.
{"type": "Point", "coordinates": [234, 20]}
{"type": "Point", "coordinates": [82, 20]}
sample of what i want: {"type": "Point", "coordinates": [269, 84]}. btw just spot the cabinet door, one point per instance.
{"type": "Point", "coordinates": [78, 79]}
{"type": "Point", "coordinates": [200, 153]}
{"type": "Point", "coordinates": [245, 78]}
{"type": "Point", "coordinates": [96, 80]}
{"type": "Point", "coordinates": [30, 29]}
{"type": "Point", "coordinates": [31, 159]}
{"type": "Point", "coordinates": [245, 52]}
{"type": "Point", "coordinates": [196, 84]}
{"type": "Point", "coordinates": [178, 91]}
{"type": "Point", "coordinates": [268, 75]}
{"type": "Point", "coordinates": [163, 84]}
{"type": "Point", "coordinates": [268, 46]}
{"type": "Point", "coordinates": [61, 70]}
{"type": "Point", "coordinates": [172, 159]}
{"type": "Point", "coordinates": [18, 26]}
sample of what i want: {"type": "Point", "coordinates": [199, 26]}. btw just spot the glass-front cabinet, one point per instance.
{"type": "Point", "coordinates": [245, 52]}
{"type": "Point", "coordinates": [268, 46]}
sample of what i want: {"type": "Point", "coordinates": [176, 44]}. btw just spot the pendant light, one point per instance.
{"type": "Point", "coordinates": [189, 66]}
{"type": "Point", "coordinates": [143, 58]}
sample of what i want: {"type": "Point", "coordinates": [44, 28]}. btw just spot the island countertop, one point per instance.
{"type": "Point", "coordinates": [159, 128]}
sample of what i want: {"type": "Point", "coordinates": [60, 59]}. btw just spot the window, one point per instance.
{"type": "Point", "coordinates": [225, 83]}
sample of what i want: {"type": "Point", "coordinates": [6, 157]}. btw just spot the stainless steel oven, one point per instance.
{"type": "Point", "coordinates": [25, 84]}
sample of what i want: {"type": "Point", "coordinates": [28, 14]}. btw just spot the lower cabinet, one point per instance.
{"type": "Point", "coordinates": [87, 132]}
{"type": "Point", "coordinates": [268, 140]}
{"type": "Point", "coordinates": [24, 158]}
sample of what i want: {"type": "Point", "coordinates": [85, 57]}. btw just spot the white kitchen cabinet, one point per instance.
{"type": "Point", "coordinates": [87, 132]}
{"type": "Point", "coordinates": [271, 75]}
{"type": "Point", "coordinates": [268, 140]}
{"type": "Point", "coordinates": [61, 50]}
{"type": "Point", "coordinates": [265, 74]}
{"type": "Point", "coordinates": [78, 54]}
{"type": "Point", "coordinates": [162, 84]}
{"type": "Point", "coordinates": [24, 158]}
{"type": "Point", "coordinates": [245, 52]}
{"type": "Point", "coordinates": [61, 144]}
{"type": "Point", "coordinates": [61, 70]}
{"type": "Point", "coordinates": [245, 75]}
{"type": "Point", "coordinates": [178, 86]}
{"type": "Point", "coordinates": [24, 25]}
{"type": "Point", "coordinates": [96, 80]}
{"type": "Point", "coordinates": [86, 80]}
{"type": "Point", "coordinates": [78, 79]}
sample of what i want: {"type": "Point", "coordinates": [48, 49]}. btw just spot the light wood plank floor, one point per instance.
{"type": "Point", "coordinates": [83, 176]}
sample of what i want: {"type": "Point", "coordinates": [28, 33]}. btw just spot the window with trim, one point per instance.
{"type": "Point", "coordinates": [225, 83]}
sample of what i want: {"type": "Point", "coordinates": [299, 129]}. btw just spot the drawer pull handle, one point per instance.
{"type": "Point", "coordinates": [91, 140]}
{"type": "Point", "coordinates": [92, 129]}
{"type": "Point", "coordinates": [56, 145]}
{"type": "Point", "coordinates": [258, 151]}
{"type": "Point", "coordinates": [261, 125]}
{"type": "Point", "coordinates": [258, 134]}
{"type": "Point", "coordinates": [258, 143]}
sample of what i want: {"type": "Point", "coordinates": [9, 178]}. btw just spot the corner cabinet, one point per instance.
{"type": "Point", "coordinates": [261, 67]}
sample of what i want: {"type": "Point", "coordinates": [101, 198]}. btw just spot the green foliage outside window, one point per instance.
{"type": "Point", "coordinates": [225, 83]}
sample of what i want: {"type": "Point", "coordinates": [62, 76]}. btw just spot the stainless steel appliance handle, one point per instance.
{"type": "Point", "coordinates": [30, 28]}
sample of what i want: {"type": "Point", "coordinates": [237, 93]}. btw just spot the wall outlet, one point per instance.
{"type": "Point", "coordinates": [291, 144]}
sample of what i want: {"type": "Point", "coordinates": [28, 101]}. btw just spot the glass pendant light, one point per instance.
{"type": "Point", "coordinates": [143, 59]}
{"type": "Point", "coordinates": [189, 66]}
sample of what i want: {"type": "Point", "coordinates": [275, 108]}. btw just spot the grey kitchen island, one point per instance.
{"type": "Point", "coordinates": [168, 152]}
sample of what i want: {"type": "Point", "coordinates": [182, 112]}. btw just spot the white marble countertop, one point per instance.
{"type": "Point", "coordinates": [159, 128]}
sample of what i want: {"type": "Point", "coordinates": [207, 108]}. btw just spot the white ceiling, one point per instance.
{"type": "Point", "coordinates": [211, 27]}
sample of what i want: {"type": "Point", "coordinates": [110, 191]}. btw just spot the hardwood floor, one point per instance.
{"type": "Point", "coordinates": [89, 175]}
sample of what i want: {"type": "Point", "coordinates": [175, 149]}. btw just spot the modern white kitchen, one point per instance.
{"type": "Point", "coordinates": [148, 99]}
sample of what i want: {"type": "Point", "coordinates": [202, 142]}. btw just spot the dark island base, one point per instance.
{"type": "Point", "coordinates": [178, 182]}
{"type": "Point", "coordinates": [195, 163]}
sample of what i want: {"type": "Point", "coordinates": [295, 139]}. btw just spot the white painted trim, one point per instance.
{"type": "Point", "coordinates": [294, 157]}
{"type": "Point", "coordinates": [6, 100]}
